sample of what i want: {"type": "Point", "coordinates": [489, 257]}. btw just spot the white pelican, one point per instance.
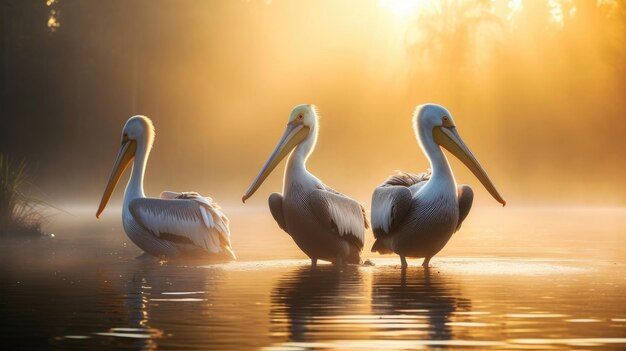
{"type": "Point", "coordinates": [324, 223]}
{"type": "Point", "coordinates": [415, 215]}
{"type": "Point", "coordinates": [177, 224]}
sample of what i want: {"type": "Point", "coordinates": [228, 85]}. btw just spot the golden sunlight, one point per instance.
{"type": "Point", "coordinates": [403, 9]}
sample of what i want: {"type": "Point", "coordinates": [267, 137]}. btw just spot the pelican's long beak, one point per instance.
{"type": "Point", "coordinates": [450, 139]}
{"type": "Point", "coordinates": [124, 157]}
{"type": "Point", "coordinates": [294, 134]}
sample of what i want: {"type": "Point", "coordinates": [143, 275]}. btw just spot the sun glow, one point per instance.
{"type": "Point", "coordinates": [402, 9]}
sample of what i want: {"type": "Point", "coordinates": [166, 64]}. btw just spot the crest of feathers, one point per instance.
{"type": "Point", "coordinates": [408, 179]}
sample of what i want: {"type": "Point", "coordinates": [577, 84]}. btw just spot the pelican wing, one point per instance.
{"type": "Point", "coordinates": [189, 219]}
{"type": "Point", "coordinates": [466, 197]}
{"type": "Point", "coordinates": [390, 204]}
{"type": "Point", "coordinates": [276, 208]}
{"type": "Point", "coordinates": [366, 222]}
{"type": "Point", "coordinates": [392, 200]}
{"type": "Point", "coordinates": [217, 218]}
{"type": "Point", "coordinates": [340, 214]}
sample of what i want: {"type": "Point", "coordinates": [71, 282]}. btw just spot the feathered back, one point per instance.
{"type": "Point", "coordinates": [407, 179]}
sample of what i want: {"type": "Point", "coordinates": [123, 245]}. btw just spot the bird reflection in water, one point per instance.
{"type": "Point", "coordinates": [134, 295]}
{"type": "Point", "coordinates": [149, 291]}
{"type": "Point", "coordinates": [137, 302]}
{"type": "Point", "coordinates": [419, 302]}
{"type": "Point", "coordinates": [309, 303]}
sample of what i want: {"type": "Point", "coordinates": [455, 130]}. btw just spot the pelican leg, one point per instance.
{"type": "Point", "coordinates": [339, 261]}
{"type": "Point", "coordinates": [426, 262]}
{"type": "Point", "coordinates": [314, 262]}
{"type": "Point", "coordinates": [403, 263]}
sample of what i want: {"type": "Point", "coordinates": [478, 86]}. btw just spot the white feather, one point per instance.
{"type": "Point", "coordinates": [341, 210]}
{"type": "Point", "coordinates": [187, 215]}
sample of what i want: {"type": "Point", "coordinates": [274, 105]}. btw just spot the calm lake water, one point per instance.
{"type": "Point", "coordinates": [527, 279]}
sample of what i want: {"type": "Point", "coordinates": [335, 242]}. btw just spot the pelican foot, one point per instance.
{"type": "Point", "coordinates": [403, 263]}
{"type": "Point", "coordinates": [145, 257]}
{"type": "Point", "coordinates": [368, 263]}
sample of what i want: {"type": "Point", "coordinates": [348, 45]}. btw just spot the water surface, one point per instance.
{"type": "Point", "coordinates": [528, 279]}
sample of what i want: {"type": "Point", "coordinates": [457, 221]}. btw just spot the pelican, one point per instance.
{"type": "Point", "coordinates": [177, 224]}
{"type": "Point", "coordinates": [324, 223]}
{"type": "Point", "coordinates": [415, 215]}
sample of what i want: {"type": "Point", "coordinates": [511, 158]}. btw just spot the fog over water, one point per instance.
{"type": "Point", "coordinates": [536, 88]}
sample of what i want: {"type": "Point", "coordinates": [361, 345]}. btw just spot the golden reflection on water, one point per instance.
{"type": "Point", "coordinates": [494, 297]}
{"type": "Point", "coordinates": [416, 309]}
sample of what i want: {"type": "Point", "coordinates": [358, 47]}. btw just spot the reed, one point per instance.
{"type": "Point", "coordinates": [19, 213]}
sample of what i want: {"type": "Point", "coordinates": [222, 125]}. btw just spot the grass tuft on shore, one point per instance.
{"type": "Point", "coordinates": [19, 213]}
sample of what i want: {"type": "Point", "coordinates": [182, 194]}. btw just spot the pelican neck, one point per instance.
{"type": "Point", "coordinates": [439, 165]}
{"type": "Point", "coordinates": [296, 164]}
{"type": "Point", "coordinates": [134, 189]}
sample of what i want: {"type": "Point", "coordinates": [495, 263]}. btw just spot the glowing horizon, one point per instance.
{"type": "Point", "coordinates": [531, 97]}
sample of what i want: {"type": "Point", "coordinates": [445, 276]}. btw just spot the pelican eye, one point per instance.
{"type": "Point", "coordinates": [300, 117]}
{"type": "Point", "coordinates": [446, 121]}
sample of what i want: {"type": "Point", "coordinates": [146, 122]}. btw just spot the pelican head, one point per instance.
{"type": "Point", "coordinates": [302, 121]}
{"type": "Point", "coordinates": [137, 132]}
{"type": "Point", "coordinates": [434, 120]}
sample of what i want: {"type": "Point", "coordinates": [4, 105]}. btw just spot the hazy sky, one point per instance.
{"type": "Point", "coordinates": [537, 90]}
